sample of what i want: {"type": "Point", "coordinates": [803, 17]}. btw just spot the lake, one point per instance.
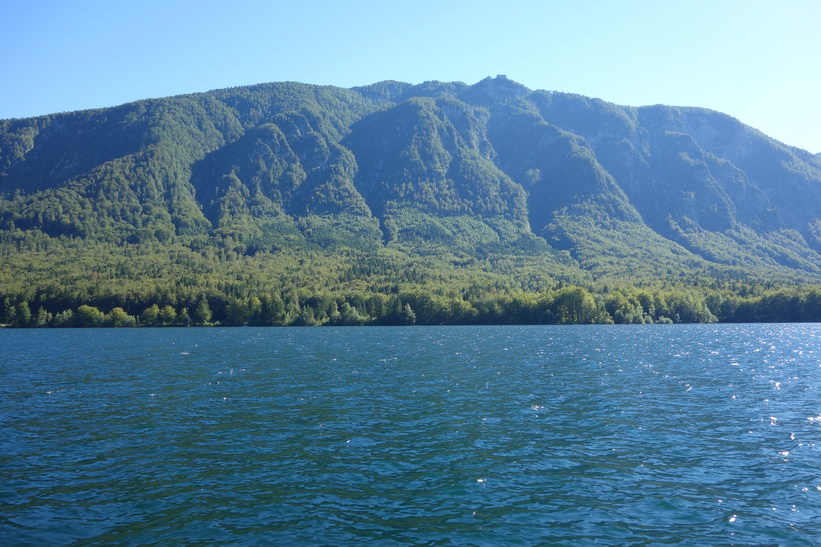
{"type": "Point", "coordinates": [515, 435]}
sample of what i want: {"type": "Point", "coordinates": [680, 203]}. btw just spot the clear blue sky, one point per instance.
{"type": "Point", "coordinates": [757, 60]}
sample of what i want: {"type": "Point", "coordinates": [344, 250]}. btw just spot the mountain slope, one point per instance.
{"type": "Point", "coordinates": [616, 192]}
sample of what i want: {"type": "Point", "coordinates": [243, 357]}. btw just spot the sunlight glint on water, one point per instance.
{"type": "Point", "coordinates": [704, 434]}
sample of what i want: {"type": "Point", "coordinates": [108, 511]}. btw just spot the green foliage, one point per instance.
{"type": "Point", "coordinates": [574, 306]}
{"type": "Point", "coordinates": [202, 311]}
{"type": "Point", "coordinates": [89, 316]}
{"type": "Point", "coordinates": [119, 318]}
{"type": "Point", "coordinates": [381, 287]}
{"type": "Point", "coordinates": [151, 316]}
{"type": "Point", "coordinates": [393, 204]}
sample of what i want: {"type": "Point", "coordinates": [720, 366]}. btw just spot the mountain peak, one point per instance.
{"type": "Point", "coordinates": [495, 90]}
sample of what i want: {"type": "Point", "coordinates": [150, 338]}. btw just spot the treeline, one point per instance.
{"type": "Point", "coordinates": [292, 307]}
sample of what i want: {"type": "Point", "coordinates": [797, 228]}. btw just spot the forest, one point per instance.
{"type": "Point", "coordinates": [152, 285]}
{"type": "Point", "coordinates": [288, 204]}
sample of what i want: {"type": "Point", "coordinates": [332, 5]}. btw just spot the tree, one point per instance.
{"type": "Point", "coordinates": [23, 315]}
{"type": "Point", "coordinates": [167, 315]}
{"type": "Point", "coordinates": [183, 318]}
{"type": "Point", "coordinates": [119, 318]}
{"type": "Point", "coordinates": [574, 305]}
{"type": "Point", "coordinates": [89, 316]}
{"type": "Point", "coordinates": [272, 310]}
{"type": "Point", "coordinates": [236, 313]}
{"type": "Point", "coordinates": [63, 319]}
{"type": "Point", "coordinates": [43, 318]}
{"type": "Point", "coordinates": [254, 306]}
{"type": "Point", "coordinates": [350, 316]}
{"type": "Point", "coordinates": [290, 301]}
{"type": "Point", "coordinates": [202, 312]}
{"type": "Point", "coordinates": [6, 312]}
{"type": "Point", "coordinates": [407, 316]}
{"type": "Point", "coordinates": [150, 316]}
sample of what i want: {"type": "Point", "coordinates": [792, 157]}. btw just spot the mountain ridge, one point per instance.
{"type": "Point", "coordinates": [589, 189]}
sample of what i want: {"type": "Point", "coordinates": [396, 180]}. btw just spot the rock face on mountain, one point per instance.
{"type": "Point", "coordinates": [476, 168]}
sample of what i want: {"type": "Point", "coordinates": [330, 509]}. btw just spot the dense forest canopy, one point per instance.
{"type": "Point", "coordinates": [293, 204]}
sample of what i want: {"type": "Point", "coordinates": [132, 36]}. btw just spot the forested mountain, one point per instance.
{"type": "Point", "coordinates": [458, 190]}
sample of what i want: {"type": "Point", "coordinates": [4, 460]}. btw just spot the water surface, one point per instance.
{"type": "Point", "coordinates": [605, 435]}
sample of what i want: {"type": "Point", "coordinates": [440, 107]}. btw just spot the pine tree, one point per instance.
{"type": "Point", "coordinates": [407, 316]}
{"type": "Point", "coordinates": [202, 312]}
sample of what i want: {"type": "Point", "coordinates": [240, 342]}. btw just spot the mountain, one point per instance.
{"type": "Point", "coordinates": [579, 189]}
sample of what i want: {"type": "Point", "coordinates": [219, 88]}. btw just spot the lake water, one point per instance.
{"type": "Point", "coordinates": [587, 435]}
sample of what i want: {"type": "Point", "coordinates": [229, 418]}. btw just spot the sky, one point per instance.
{"type": "Point", "coordinates": [756, 60]}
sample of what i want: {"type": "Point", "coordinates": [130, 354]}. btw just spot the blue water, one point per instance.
{"type": "Point", "coordinates": [589, 435]}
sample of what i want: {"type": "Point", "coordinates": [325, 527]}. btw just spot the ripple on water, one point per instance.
{"type": "Point", "coordinates": [704, 434]}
